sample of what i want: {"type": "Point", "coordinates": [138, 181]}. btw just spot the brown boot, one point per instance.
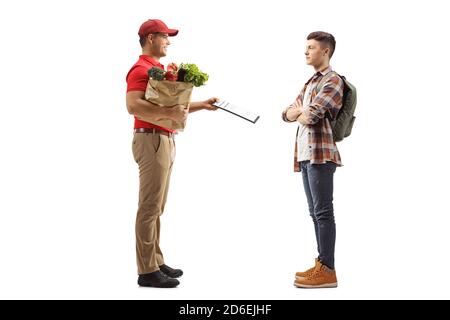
{"type": "Point", "coordinates": [306, 273]}
{"type": "Point", "coordinates": [321, 277]}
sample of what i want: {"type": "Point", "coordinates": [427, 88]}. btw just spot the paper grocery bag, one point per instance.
{"type": "Point", "coordinates": [168, 94]}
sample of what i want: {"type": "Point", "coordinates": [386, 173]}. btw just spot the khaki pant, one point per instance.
{"type": "Point", "coordinates": [154, 153]}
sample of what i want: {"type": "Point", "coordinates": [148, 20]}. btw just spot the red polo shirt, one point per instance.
{"type": "Point", "coordinates": [137, 79]}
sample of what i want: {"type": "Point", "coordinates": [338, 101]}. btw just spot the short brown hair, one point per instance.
{"type": "Point", "coordinates": [142, 41]}
{"type": "Point", "coordinates": [326, 39]}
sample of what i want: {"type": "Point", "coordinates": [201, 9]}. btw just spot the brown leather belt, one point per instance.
{"type": "Point", "coordinates": [153, 131]}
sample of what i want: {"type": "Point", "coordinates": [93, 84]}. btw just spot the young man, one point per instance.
{"type": "Point", "coordinates": [316, 154]}
{"type": "Point", "coordinates": [154, 151]}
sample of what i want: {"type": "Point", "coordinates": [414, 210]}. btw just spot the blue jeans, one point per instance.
{"type": "Point", "coordinates": [318, 184]}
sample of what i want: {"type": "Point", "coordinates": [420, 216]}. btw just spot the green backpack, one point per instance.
{"type": "Point", "coordinates": [343, 123]}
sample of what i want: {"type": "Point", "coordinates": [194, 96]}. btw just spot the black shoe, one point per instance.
{"type": "Point", "coordinates": [168, 271]}
{"type": "Point", "coordinates": [157, 279]}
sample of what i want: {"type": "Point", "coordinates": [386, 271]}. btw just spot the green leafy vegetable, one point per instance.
{"type": "Point", "coordinates": [191, 73]}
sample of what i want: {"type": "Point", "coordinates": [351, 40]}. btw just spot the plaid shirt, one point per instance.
{"type": "Point", "coordinates": [329, 99]}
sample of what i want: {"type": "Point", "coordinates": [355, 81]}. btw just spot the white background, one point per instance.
{"type": "Point", "coordinates": [236, 219]}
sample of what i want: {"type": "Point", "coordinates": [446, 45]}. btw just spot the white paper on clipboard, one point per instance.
{"type": "Point", "coordinates": [237, 111]}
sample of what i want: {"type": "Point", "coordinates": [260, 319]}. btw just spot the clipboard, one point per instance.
{"type": "Point", "coordinates": [237, 111]}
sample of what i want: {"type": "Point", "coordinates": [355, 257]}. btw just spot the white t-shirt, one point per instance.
{"type": "Point", "coordinates": [304, 152]}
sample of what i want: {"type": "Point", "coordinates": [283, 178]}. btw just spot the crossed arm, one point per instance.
{"type": "Point", "coordinates": [327, 99]}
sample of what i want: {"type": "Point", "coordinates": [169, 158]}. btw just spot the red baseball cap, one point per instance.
{"type": "Point", "coordinates": [155, 26]}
